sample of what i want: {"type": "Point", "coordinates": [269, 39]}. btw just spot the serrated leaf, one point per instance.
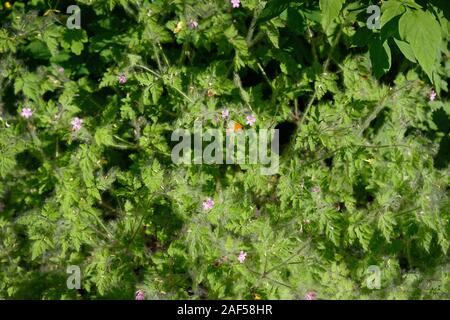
{"type": "Point", "coordinates": [103, 136]}
{"type": "Point", "coordinates": [145, 79]}
{"type": "Point", "coordinates": [386, 224]}
{"type": "Point", "coordinates": [423, 32]}
{"type": "Point", "coordinates": [153, 177]}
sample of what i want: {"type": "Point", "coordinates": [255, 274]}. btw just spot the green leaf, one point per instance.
{"type": "Point", "coordinates": [39, 247]}
{"type": "Point", "coordinates": [144, 78]}
{"type": "Point", "coordinates": [103, 136]}
{"type": "Point", "coordinates": [391, 9]}
{"type": "Point", "coordinates": [7, 164]}
{"type": "Point", "coordinates": [380, 55]}
{"type": "Point", "coordinates": [73, 39]}
{"type": "Point", "coordinates": [423, 32]}
{"type": "Point", "coordinates": [38, 50]}
{"type": "Point", "coordinates": [273, 35]}
{"type": "Point", "coordinates": [273, 9]}
{"type": "Point", "coordinates": [362, 37]}
{"type": "Point", "coordinates": [330, 11]}
{"type": "Point", "coordinates": [153, 177]}
{"type": "Point", "coordinates": [156, 91]}
{"type": "Point", "coordinates": [406, 49]}
{"type": "Point", "coordinates": [386, 224]}
{"type": "Point", "coordinates": [295, 20]}
{"type": "Point", "coordinates": [87, 161]}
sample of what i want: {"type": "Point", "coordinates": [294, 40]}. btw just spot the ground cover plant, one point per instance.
{"type": "Point", "coordinates": [359, 207]}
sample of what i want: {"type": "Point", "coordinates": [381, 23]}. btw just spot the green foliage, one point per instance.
{"type": "Point", "coordinates": [363, 179]}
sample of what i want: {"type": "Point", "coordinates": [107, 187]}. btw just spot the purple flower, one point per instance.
{"type": "Point", "coordinates": [26, 113]}
{"type": "Point", "coordinates": [193, 24]}
{"type": "Point", "coordinates": [76, 123]}
{"type": "Point", "coordinates": [208, 204]}
{"type": "Point", "coordinates": [315, 189]}
{"type": "Point", "coordinates": [122, 78]}
{"type": "Point", "coordinates": [311, 295]}
{"type": "Point", "coordinates": [251, 120]}
{"type": "Point", "coordinates": [225, 113]}
{"type": "Point", "coordinates": [235, 3]}
{"type": "Point", "coordinates": [61, 70]}
{"type": "Point", "coordinates": [432, 95]}
{"type": "Point", "coordinates": [242, 256]}
{"type": "Point", "coordinates": [139, 295]}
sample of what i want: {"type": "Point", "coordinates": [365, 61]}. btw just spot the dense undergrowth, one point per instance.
{"type": "Point", "coordinates": [86, 176]}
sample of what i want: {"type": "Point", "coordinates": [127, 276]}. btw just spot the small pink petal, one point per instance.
{"type": "Point", "coordinates": [235, 3]}
{"type": "Point", "coordinates": [432, 95]}
{"type": "Point", "coordinates": [208, 204]}
{"type": "Point", "coordinates": [193, 24]}
{"type": "Point", "coordinates": [251, 120]}
{"type": "Point", "coordinates": [242, 256]}
{"type": "Point", "coordinates": [26, 113]}
{"type": "Point", "coordinates": [225, 113]}
{"type": "Point", "coordinates": [139, 295]}
{"type": "Point", "coordinates": [311, 295]}
{"type": "Point", "coordinates": [122, 78]}
{"type": "Point", "coordinates": [76, 124]}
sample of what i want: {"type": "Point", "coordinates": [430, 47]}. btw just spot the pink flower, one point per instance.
{"type": "Point", "coordinates": [61, 70]}
{"type": "Point", "coordinates": [235, 3]}
{"type": "Point", "coordinates": [311, 295]}
{"type": "Point", "coordinates": [122, 78]}
{"type": "Point", "coordinates": [76, 123]}
{"type": "Point", "coordinates": [432, 95]}
{"type": "Point", "coordinates": [139, 295]}
{"type": "Point", "coordinates": [208, 204]}
{"type": "Point", "coordinates": [251, 120]}
{"type": "Point", "coordinates": [193, 24]}
{"type": "Point", "coordinates": [26, 113]}
{"type": "Point", "coordinates": [315, 189]}
{"type": "Point", "coordinates": [242, 256]}
{"type": "Point", "coordinates": [225, 113]}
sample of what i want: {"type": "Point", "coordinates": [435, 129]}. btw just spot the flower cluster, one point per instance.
{"type": "Point", "coordinates": [208, 204]}
{"type": "Point", "coordinates": [76, 124]}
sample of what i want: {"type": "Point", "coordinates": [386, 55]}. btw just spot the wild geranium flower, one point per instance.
{"type": "Point", "coordinates": [208, 204]}
{"type": "Point", "coordinates": [225, 113]}
{"type": "Point", "coordinates": [122, 78]}
{"type": "Point", "coordinates": [140, 295]}
{"type": "Point", "coordinates": [61, 70]}
{"type": "Point", "coordinates": [251, 119]}
{"type": "Point", "coordinates": [26, 113]}
{"type": "Point", "coordinates": [242, 256]}
{"type": "Point", "coordinates": [235, 3]}
{"type": "Point", "coordinates": [432, 95]}
{"type": "Point", "coordinates": [193, 24]}
{"type": "Point", "coordinates": [76, 123]}
{"type": "Point", "coordinates": [311, 295]}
